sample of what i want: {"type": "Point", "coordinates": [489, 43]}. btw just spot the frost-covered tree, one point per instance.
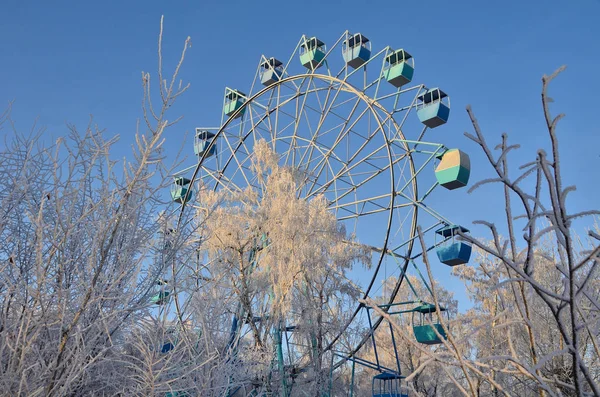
{"type": "Point", "coordinates": [543, 296]}
{"type": "Point", "coordinates": [500, 333]}
{"type": "Point", "coordinates": [77, 264]}
{"type": "Point", "coordinates": [281, 261]}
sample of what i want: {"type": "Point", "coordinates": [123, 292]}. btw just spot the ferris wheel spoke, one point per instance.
{"type": "Point", "coordinates": [299, 116]}
{"type": "Point", "coordinates": [352, 188]}
{"type": "Point", "coordinates": [239, 164]}
{"type": "Point", "coordinates": [353, 157]}
{"type": "Point", "coordinates": [326, 107]}
{"type": "Point", "coordinates": [416, 173]}
{"type": "Point", "coordinates": [347, 169]}
{"type": "Point", "coordinates": [341, 104]}
{"type": "Point", "coordinates": [325, 111]}
{"type": "Point", "coordinates": [221, 180]}
{"type": "Point", "coordinates": [343, 132]}
{"type": "Point", "coordinates": [275, 124]}
{"type": "Point", "coordinates": [234, 150]}
{"type": "Point", "coordinates": [324, 163]}
{"type": "Point", "coordinates": [359, 212]}
{"type": "Point", "coordinates": [310, 147]}
{"type": "Point", "coordinates": [262, 128]}
{"type": "Point", "coordinates": [304, 162]}
{"type": "Point", "coordinates": [321, 104]}
{"type": "Point", "coordinates": [406, 240]}
{"type": "Point", "coordinates": [410, 108]}
{"type": "Point", "coordinates": [427, 209]}
{"type": "Point", "coordinates": [265, 128]}
{"type": "Point", "coordinates": [373, 203]}
{"type": "Point", "coordinates": [373, 212]}
{"type": "Point", "coordinates": [373, 175]}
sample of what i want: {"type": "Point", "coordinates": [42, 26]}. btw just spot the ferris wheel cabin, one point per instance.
{"type": "Point", "coordinates": [201, 142]}
{"type": "Point", "coordinates": [388, 384]}
{"type": "Point", "coordinates": [262, 242]}
{"type": "Point", "coordinates": [171, 340]}
{"type": "Point", "coordinates": [180, 190]}
{"type": "Point", "coordinates": [398, 68]}
{"type": "Point", "coordinates": [425, 329]}
{"type": "Point", "coordinates": [433, 108]}
{"type": "Point", "coordinates": [312, 53]}
{"type": "Point", "coordinates": [453, 251]}
{"type": "Point", "coordinates": [454, 169]}
{"type": "Point", "coordinates": [234, 100]}
{"type": "Point", "coordinates": [271, 71]}
{"type": "Point", "coordinates": [356, 50]}
{"type": "Point", "coordinates": [167, 347]}
{"type": "Point", "coordinates": [176, 394]}
{"type": "Point", "coordinates": [160, 298]}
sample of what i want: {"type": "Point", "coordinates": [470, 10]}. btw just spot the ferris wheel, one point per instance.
{"type": "Point", "coordinates": [352, 121]}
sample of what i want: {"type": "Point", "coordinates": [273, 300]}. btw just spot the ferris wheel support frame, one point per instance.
{"type": "Point", "coordinates": [375, 108]}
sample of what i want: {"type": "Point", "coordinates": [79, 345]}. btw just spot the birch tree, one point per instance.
{"type": "Point", "coordinates": [283, 260]}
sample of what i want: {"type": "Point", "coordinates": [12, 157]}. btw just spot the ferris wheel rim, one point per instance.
{"type": "Point", "coordinates": [349, 88]}
{"type": "Point", "coordinates": [372, 105]}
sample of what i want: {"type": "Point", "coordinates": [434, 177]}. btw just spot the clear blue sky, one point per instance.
{"type": "Point", "coordinates": [62, 61]}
